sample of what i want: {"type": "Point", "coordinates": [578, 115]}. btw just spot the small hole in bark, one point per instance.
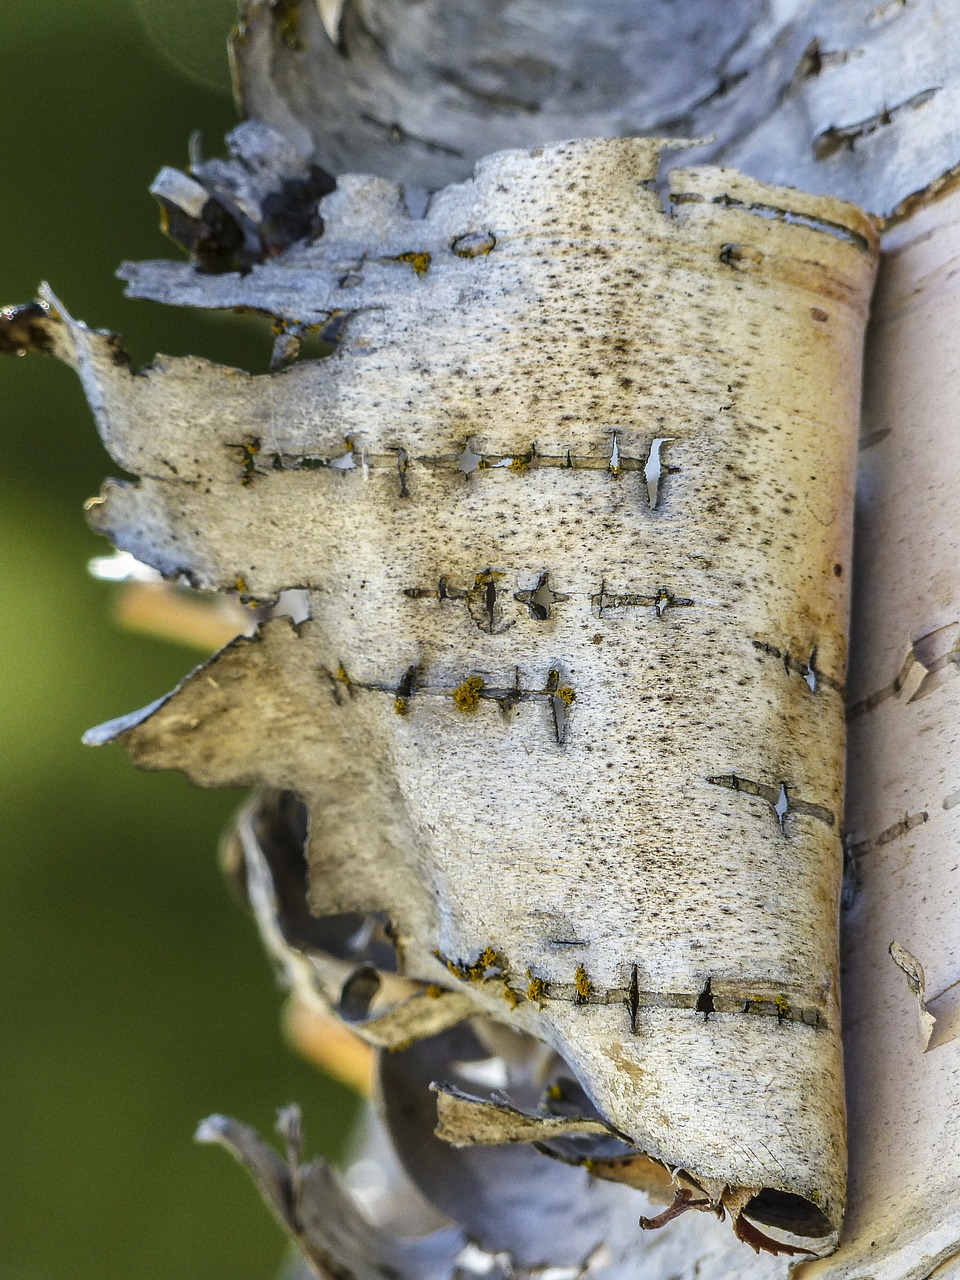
{"type": "Point", "coordinates": [490, 600]}
{"type": "Point", "coordinates": [665, 600]}
{"type": "Point", "coordinates": [653, 469]}
{"type": "Point", "coordinates": [474, 244]}
{"type": "Point", "coordinates": [485, 602]}
{"type": "Point", "coordinates": [811, 63]}
{"type": "Point", "coordinates": [614, 467]}
{"type": "Point", "coordinates": [782, 806]}
{"type": "Point", "coordinates": [469, 460]}
{"type": "Point", "coordinates": [705, 1003]}
{"type": "Point", "coordinates": [633, 998]}
{"type": "Point", "coordinates": [562, 698]}
{"type": "Point", "coordinates": [346, 461]}
{"type": "Point", "coordinates": [538, 599]}
{"type": "Point", "coordinates": [403, 462]}
{"type": "Point", "coordinates": [810, 675]}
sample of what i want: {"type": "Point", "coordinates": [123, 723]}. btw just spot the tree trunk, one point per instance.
{"type": "Point", "coordinates": [585, 444]}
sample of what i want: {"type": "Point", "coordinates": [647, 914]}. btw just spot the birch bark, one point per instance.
{"type": "Point", "coordinates": [840, 99]}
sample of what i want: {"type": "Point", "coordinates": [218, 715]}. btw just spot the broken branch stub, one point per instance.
{"type": "Point", "coordinates": [610, 821]}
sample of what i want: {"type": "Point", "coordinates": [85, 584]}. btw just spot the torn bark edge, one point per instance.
{"type": "Point", "coordinates": [916, 980]}
{"type": "Point", "coordinates": [414, 1010]}
{"type": "Point", "coordinates": [312, 1206]}
{"type": "Point", "coordinates": [44, 326]}
{"type": "Point", "coordinates": [407, 1009]}
{"type": "Point", "coordinates": [465, 1120]}
{"type": "Point", "coordinates": [232, 214]}
{"type": "Point", "coordinates": [32, 326]}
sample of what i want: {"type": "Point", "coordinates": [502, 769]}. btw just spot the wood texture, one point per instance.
{"type": "Point", "coordinates": [846, 97]}
{"type": "Point", "coordinates": [573, 511]}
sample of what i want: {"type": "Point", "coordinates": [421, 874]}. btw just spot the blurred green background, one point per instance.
{"type": "Point", "coordinates": [135, 997]}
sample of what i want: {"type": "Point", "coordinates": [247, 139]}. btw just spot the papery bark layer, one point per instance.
{"type": "Point", "coordinates": [571, 503]}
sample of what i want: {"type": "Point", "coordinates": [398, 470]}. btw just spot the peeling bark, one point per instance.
{"type": "Point", "coordinates": [561, 737]}
{"type": "Point", "coordinates": [668, 407]}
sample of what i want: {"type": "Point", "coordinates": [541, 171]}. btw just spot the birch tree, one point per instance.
{"type": "Point", "coordinates": [552, 557]}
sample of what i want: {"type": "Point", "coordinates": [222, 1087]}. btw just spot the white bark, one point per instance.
{"type": "Point", "coordinates": [553, 312]}
{"type": "Point", "coordinates": [904, 776]}
{"type": "Point", "coordinates": [847, 97]}
{"type": "Point", "coordinates": [607, 811]}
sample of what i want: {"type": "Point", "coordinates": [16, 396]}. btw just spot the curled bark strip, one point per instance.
{"type": "Point", "coordinates": [600, 388]}
{"type": "Point", "coordinates": [682, 1201]}
{"type": "Point", "coordinates": [312, 1205]}
{"type": "Point", "coordinates": [332, 963]}
{"type": "Point", "coordinates": [575, 1213]}
{"type": "Point", "coordinates": [760, 1242]}
{"type": "Point", "coordinates": [468, 1121]}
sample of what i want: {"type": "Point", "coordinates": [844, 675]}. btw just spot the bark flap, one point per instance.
{"type": "Point", "coordinates": [559, 745]}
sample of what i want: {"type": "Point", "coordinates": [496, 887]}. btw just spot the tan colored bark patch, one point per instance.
{"type": "Point", "coordinates": [574, 519]}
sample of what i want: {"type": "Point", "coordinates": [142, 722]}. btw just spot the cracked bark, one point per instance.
{"type": "Point", "coordinates": [557, 336]}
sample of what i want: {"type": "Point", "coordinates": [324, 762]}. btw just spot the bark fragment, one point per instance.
{"type": "Point", "coordinates": [482, 830]}
{"type": "Point", "coordinates": [311, 1204]}
{"type": "Point", "coordinates": [230, 214]}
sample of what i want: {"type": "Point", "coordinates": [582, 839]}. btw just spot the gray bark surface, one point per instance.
{"type": "Point", "coordinates": [843, 97]}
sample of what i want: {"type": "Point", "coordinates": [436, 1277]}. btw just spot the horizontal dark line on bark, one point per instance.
{"type": "Point", "coordinates": [492, 968]}
{"type": "Point", "coordinates": [778, 797]}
